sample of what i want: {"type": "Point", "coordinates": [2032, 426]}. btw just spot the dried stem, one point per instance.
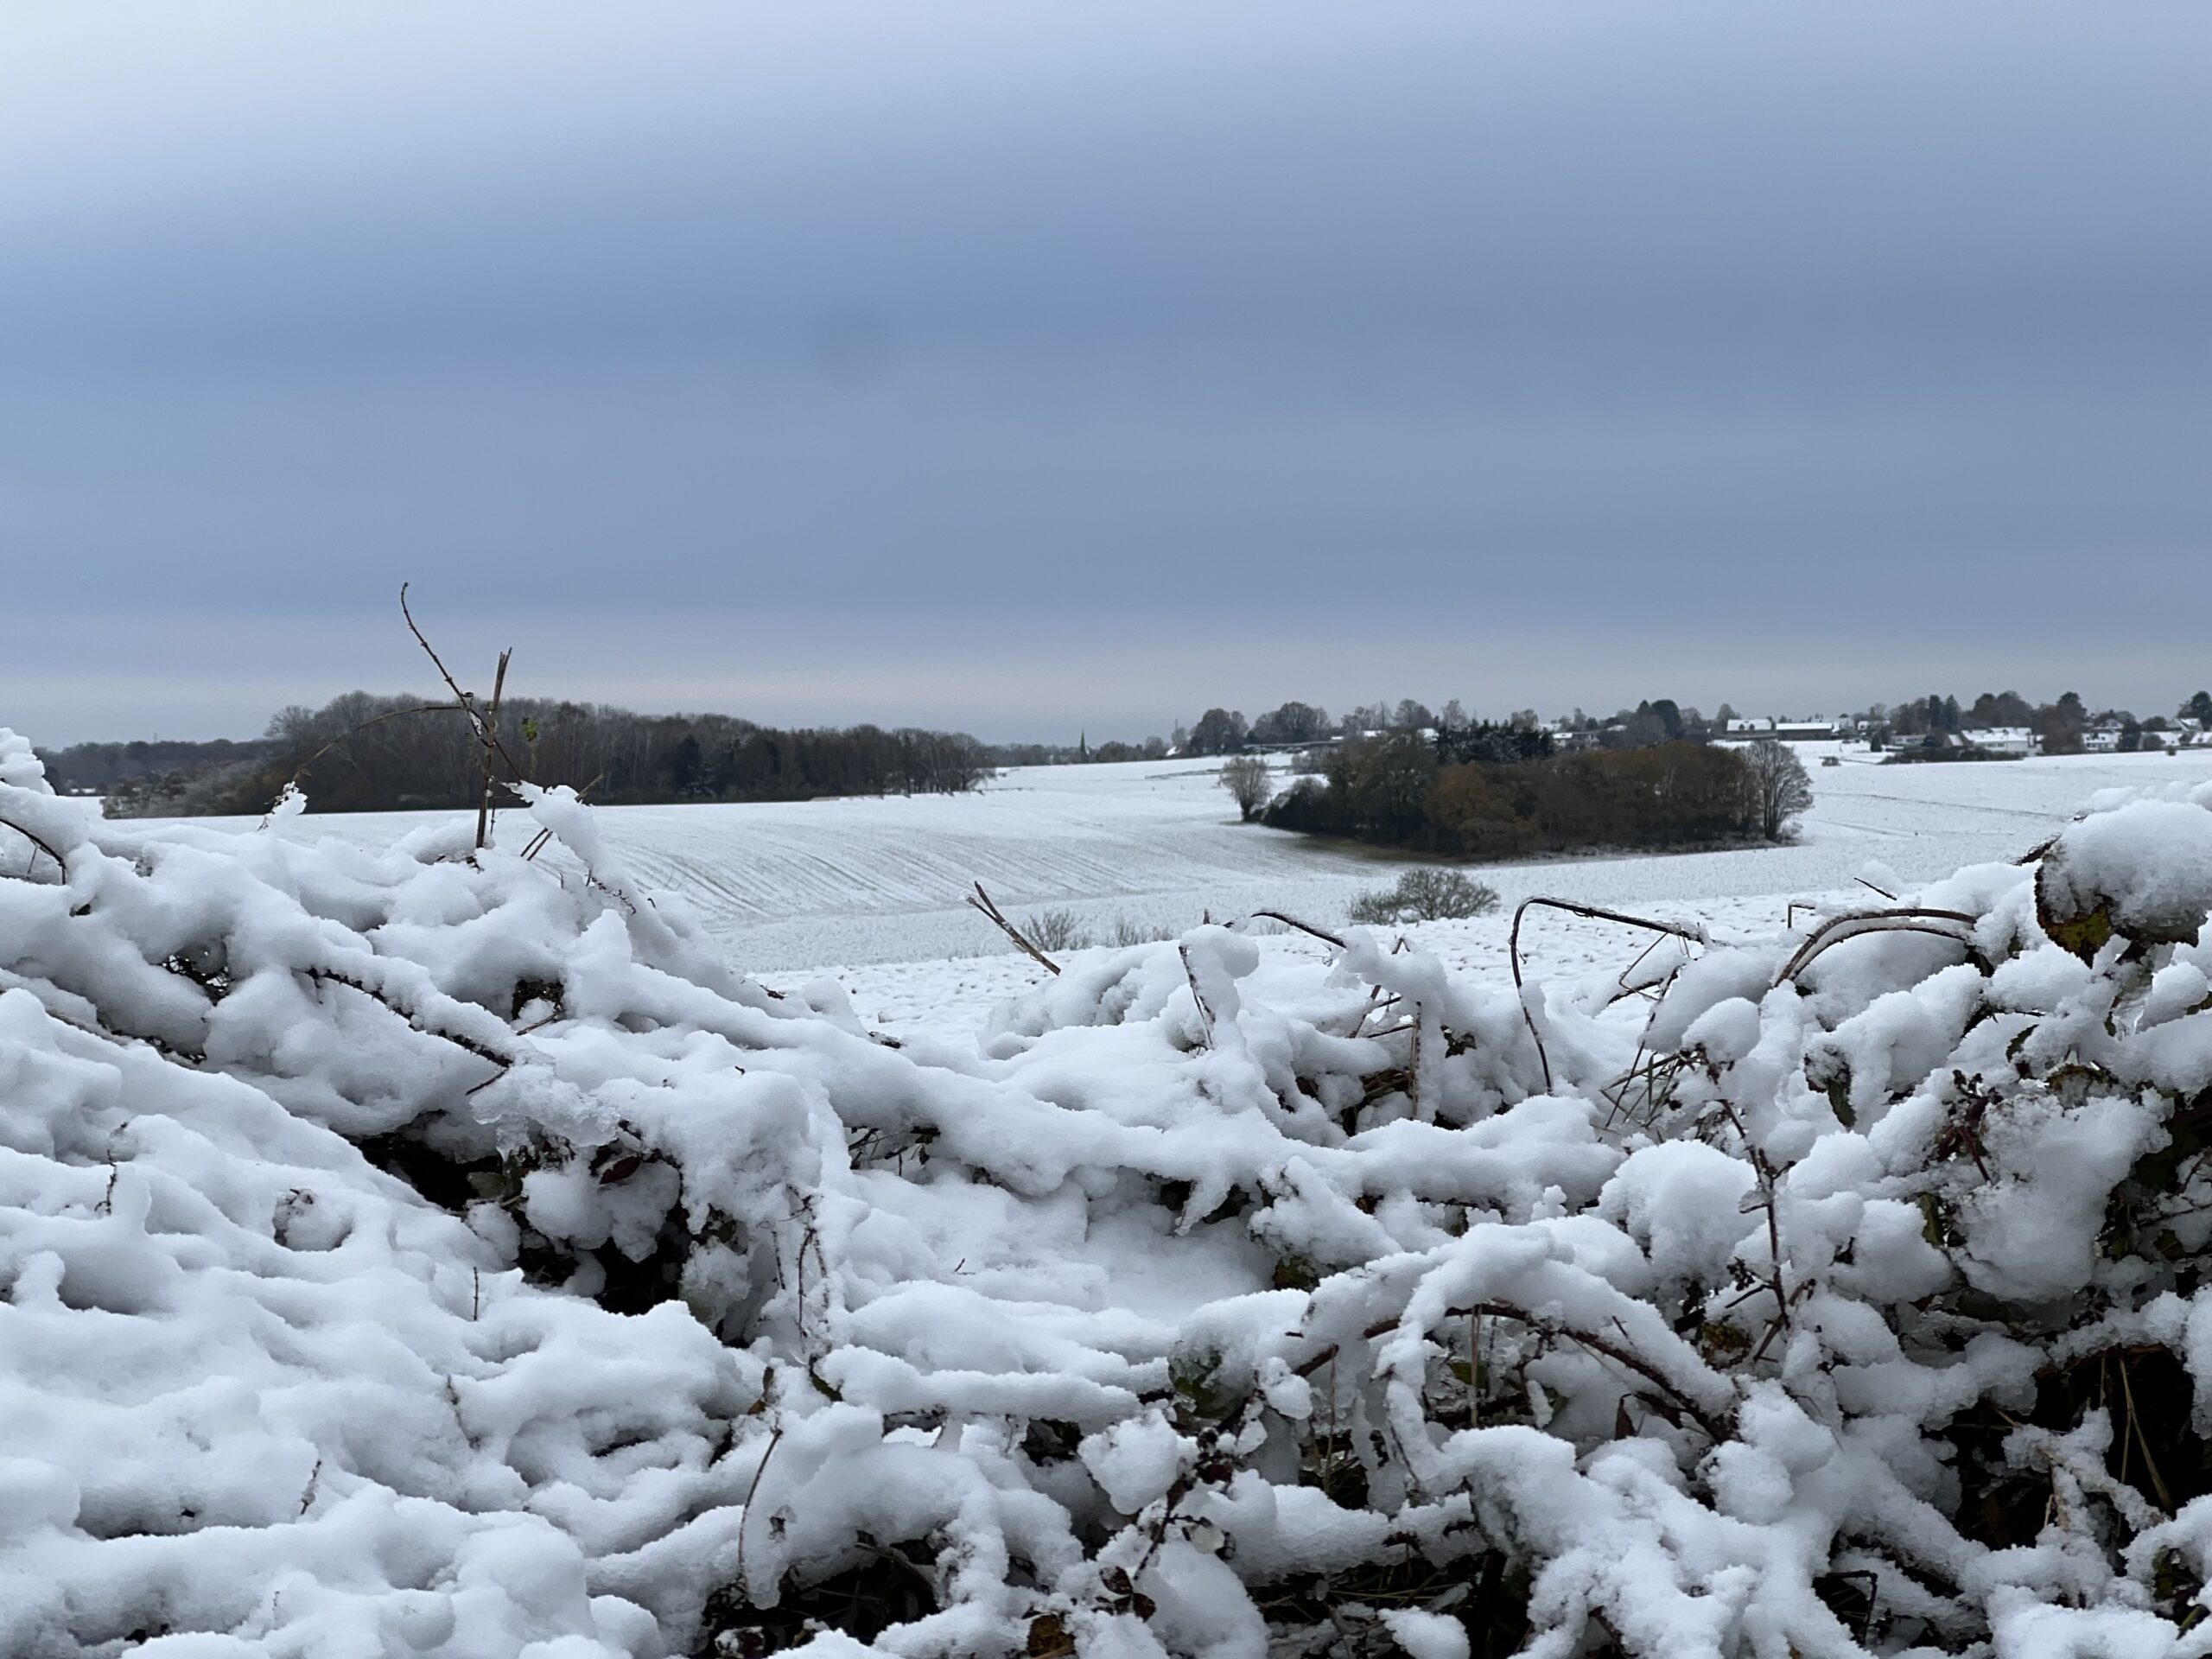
{"type": "Point", "coordinates": [484, 800]}
{"type": "Point", "coordinates": [981, 900]}
{"type": "Point", "coordinates": [745, 1511]}
{"type": "Point", "coordinates": [1205, 1014]}
{"type": "Point", "coordinates": [1696, 936]}
{"type": "Point", "coordinates": [333, 976]}
{"type": "Point", "coordinates": [1320, 933]}
{"type": "Point", "coordinates": [1613, 1350]}
{"type": "Point", "coordinates": [1836, 929]}
{"type": "Point", "coordinates": [488, 735]}
{"type": "Point", "coordinates": [538, 842]}
{"type": "Point", "coordinates": [37, 841]}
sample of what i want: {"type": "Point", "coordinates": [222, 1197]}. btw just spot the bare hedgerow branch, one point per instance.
{"type": "Point", "coordinates": [981, 900]}
{"type": "Point", "coordinates": [538, 841]}
{"type": "Point", "coordinates": [1911, 918]}
{"type": "Point", "coordinates": [1205, 1012]}
{"type": "Point", "coordinates": [459, 1040]}
{"type": "Point", "coordinates": [1695, 935]}
{"type": "Point", "coordinates": [1619, 1353]}
{"type": "Point", "coordinates": [484, 799]}
{"type": "Point", "coordinates": [1320, 933]}
{"type": "Point", "coordinates": [488, 735]}
{"type": "Point", "coordinates": [37, 841]}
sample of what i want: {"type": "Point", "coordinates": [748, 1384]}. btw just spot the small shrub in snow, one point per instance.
{"type": "Point", "coordinates": [1423, 896]}
{"type": "Point", "coordinates": [1056, 930]}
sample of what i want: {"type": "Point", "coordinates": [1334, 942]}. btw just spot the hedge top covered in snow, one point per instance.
{"type": "Point", "coordinates": [445, 1251]}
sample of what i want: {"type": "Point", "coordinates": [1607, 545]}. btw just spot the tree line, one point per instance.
{"type": "Point", "coordinates": [2061, 726]}
{"type": "Point", "coordinates": [1298, 725]}
{"type": "Point", "coordinates": [364, 752]}
{"type": "Point", "coordinates": [1407, 790]}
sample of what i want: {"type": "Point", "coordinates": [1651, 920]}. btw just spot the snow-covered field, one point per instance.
{"type": "Point", "coordinates": [406, 1249]}
{"type": "Point", "coordinates": [870, 891]}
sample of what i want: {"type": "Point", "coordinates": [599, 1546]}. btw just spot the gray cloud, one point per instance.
{"type": "Point", "coordinates": [1673, 327]}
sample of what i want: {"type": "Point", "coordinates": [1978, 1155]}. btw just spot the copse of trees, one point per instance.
{"type": "Point", "coordinates": [1291, 723]}
{"type": "Point", "coordinates": [1219, 731]}
{"type": "Point", "coordinates": [1494, 742]}
{"type": "Point", "coordinates": [1398, 791]}
{"type": "Point", "coordinates": [363, 753]}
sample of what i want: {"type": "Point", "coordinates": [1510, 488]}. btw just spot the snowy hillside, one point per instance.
{"type": "Point", "coordinates": [855, 882]}
{"type": "Point", "coordinates": [410, 1250]}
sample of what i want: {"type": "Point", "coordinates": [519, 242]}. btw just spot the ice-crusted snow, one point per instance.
{"type": "Point", "coordinates": [411, 1248]}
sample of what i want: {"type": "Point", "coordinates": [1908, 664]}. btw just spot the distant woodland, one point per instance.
{"type": "Point", "coordinates": [361, 752]}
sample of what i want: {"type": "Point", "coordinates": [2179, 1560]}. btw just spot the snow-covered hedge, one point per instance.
{"type": "Point", "coordinates": [446, 1252]}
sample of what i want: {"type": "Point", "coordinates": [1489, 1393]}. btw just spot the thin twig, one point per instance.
{"type": "Point", "coordinates": [1205, 1014]}
{"type": "Point", "coordinates": [484, 800]}
{"type": "Point", "coordinates": [1612, 1350]}
{"type": "Point", "coordinates": [2135, 1422]}
{"type": "Point", "coordinates": [466, 701]}
{"type": "Point", "coordinates": [1320, 933]}
{"type": "Point", "coordinates": [745, 1510]}
{"type": "Point", "coordinates": [38, 841]}
{"type": "Point", "coordinates": [1696, 936]}
{"type": "Point", "coordinates": [482, 1051]}
{"type": "Point", "coordinates": [1765, 1173]}
{"type": "Point", "coordinates": [300, 771]}
{"type": "Point", "coordinates": [538, 840]}
{"type": "Point", "coordinates": [1474, 1369]}
{"type": "Point", "coordinates": [981, 900]}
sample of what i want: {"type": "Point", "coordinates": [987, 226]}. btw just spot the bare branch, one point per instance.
{"type": "Point", "coordinates": [1321, 933]}
{"type": "Point", "coordinates": [37, 841]}
{"type": "Point", "coordinates": [1618, 1352]}
{"type": "Point", "coordinates": [1205, 1014]}
{"type": "Point", "coordinates": [538, 842]}
{"type": "Point", "coordinates": [481, 1051]}
{"type": "Point", "coordinates": [981, 900]}
{"type": "Point", "coordinates": [1907, 919]}
{"type": "Point", "coordinates": [484, 800]}
{"type": "Point", "coordinates": [1695, 935]}
{"type": "Point", "coordinates": [488, 735]}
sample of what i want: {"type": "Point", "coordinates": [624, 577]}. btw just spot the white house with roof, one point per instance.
{"type": "Point", "coordinates": [2003, 739]}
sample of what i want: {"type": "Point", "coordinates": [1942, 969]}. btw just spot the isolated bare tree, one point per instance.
{"type": "Point", "coordinates": [1245, 777]}
{"type": "Point", "coordinates": [1778, 787]}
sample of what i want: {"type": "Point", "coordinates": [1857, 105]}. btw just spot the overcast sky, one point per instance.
{"type": "Point", "coordinates": [1042, 367]}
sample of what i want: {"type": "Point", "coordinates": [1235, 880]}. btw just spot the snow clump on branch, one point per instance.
{"type": "Point", "coordinates": [443, 1251]}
